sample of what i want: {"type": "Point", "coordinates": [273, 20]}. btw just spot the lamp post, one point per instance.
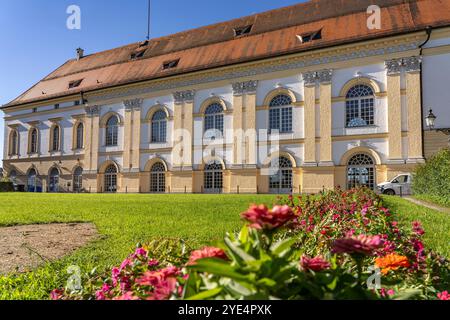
{"type": "Point", "coordinates": [430, 121]}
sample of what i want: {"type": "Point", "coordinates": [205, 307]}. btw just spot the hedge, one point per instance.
{"type": "Point", "coordinates": [433, 178]}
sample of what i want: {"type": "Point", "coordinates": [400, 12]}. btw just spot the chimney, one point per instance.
{"type": "Point", "coordinates": [80, 53]}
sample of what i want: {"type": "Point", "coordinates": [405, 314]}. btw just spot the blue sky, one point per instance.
{"type": "Point", "coordinates": [35, 40]}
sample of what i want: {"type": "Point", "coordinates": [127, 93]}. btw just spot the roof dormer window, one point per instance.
{"type": "Point", "coordinates": [75, 83]}
{"type": "Point", "coordinates": [170, 64]}
{"type": "Point", "coordinates": [241, 31]}
{"type": "Point", "coordinates": [310, 36]}
{"type": "Point", "coordinates": [138, 54]}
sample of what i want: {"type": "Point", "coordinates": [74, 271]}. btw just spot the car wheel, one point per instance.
{"type": "Point", "coordinates": [389, 192]}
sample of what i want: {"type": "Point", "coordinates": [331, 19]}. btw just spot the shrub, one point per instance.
{"type": "Point", "coordinates": [317, 247]}
{"type": "Point", "coordinates": [6, 186]}
{"type": "Point", "coordinates": [432, 179]}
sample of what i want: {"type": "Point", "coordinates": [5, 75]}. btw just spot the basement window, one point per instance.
{"type": "Point", "coordinates": [242, 30]}
{"type": "Point", "coordinates": [170, 64]}
{"type": "Point", "coordinates": [74, 84]}
{"type": "Point", "coordinates": [310, 36]}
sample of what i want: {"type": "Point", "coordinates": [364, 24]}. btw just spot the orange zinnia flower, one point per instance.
{"type": "Point", "coordinates": [392, 261]}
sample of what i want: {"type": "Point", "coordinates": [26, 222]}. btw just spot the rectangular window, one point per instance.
{"type": "Point", "coordinates": [57, 106]}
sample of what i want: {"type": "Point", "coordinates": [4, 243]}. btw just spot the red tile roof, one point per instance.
{"type": "Point", "coordinates": [273, 34]}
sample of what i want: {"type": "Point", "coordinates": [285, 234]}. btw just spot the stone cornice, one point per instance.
{"type": "Point", "coordinates": [92, 111]}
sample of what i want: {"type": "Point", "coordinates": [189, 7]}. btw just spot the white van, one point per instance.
{"type": "Point", "coordinates": [400, 185]}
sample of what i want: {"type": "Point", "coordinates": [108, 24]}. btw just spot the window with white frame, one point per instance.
{"type": "Point", "coordinates": [214, 118]}
{"type": "Point", "coordinates": [280, 114]}
{"type": "Point", "coordinates": [213, 177]}
{"type": "Point", "coordinates": [281, 179]}
{"type": "Point", "coordinates": [361, 171]}
{"type": "Point", "coordinates": [112, 131]}
{"type": "Point", "coordinates": [111, 179]}
{"type": "Point", "coordinates": [360, 103]}
{"type": "Point", "coordinates": [159, 127]}
{"type": "Point", "coordinates": [158, 178]}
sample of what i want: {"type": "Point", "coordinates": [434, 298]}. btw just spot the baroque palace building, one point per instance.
{"type": "Point", "coordinates": [292, 100]}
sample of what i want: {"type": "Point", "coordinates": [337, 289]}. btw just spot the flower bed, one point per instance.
{"type": "Point", "coordinates": [336, 245]}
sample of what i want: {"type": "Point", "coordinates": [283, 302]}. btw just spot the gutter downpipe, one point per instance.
{"type": "Point", "coordinates": [428, 30]}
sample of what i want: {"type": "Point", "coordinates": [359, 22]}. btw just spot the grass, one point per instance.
{"type": "Point", "coordinates": [435, 223]}
{"type": "Point", "coordinates": [125, 220]}
{"type": "Point", "coordinates": [438, 200]}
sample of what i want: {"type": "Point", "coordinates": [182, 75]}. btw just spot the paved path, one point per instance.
{"type": "Point", "coordinates": [428, 205]}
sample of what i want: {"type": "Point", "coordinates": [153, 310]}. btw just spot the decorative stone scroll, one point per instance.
{"type": "Point", "coordinates": [133, 104]}
{"type": "Point", "coordinates": [184, 96]}
{"type": "Point", "coordinates": [240, 88]}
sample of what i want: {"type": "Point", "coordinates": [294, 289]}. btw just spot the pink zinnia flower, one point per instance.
{"type": "Point", "coordinates": [140, 252]}
{"type": "Point", "coordinates": [100, 295]}
{"type": "Point", "coordinates": [56, 294]}
{"type": "Point", "coordinates": [314, 264]}
{"type": "Point", "coordinates": [207, 252]}
{"type": "Point", "coordinates": [152, 278]}
{"type": "Point", "coordinates": [361, 244]}
{"type": "Point", "coordinates": [444, 296]}
{"type": "Point", "coordinates": [417, 228]}
{"type": "Point", "coordinates": [153, 263]}
{"type": "Point", "coordinates": [260, 217]}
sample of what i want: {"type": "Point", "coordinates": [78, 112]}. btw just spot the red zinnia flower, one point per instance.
{"type": "Point", "coordinates": [207, 252]}
{"type": "Point", "coordinates": [260, 217]}
{"type": "Point", "coordinates": [361, 244]}
{"type": "Point", "coordinates": [314, 264]}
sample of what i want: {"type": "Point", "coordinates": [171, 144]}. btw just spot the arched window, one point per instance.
{"type": "Point", "coordinates": [53, 180]}
{"type": "Point", "coordinates": [33, 183]}
{"type": "Point", "coordinates": [360, 103]}
{"type": "Point", "coordinates": [159, 126]}
{"type": "Point", "coordinates": [80, 136]}
{"type": "Point", "coordinates": [112, 131]}
{"type": "Point", "coordinates": [214, 118]}
{"type": "Point", "coordinates": [158, 178]}
{"type": "Point", "coordinates": [55, 141]}
{"type": "Point", "coordinates": [14, 143]}
{"type": "Point", "coordinates": [361, 171]}
{"type": "Point", "coordinates": [34, 141]}
{"type": "Point", "coordinates": [281, 179]}
{"type": "Point", "coordinates": [213, 177]}
{"type": "Point", "coordinates": [280, 114]}
{"type": "Point", "coordinates": [111, 179]}
{"type": "Point", "coordinates": [78, 180]}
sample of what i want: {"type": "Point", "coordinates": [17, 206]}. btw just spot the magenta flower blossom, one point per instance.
{"type": "Point", "coordinates": [260, 217]}
{"type": "Point", "coordinates": [56, 294]}
{"type": "Point", "coordinates": [362, 244]}
{"type": "Point", "coordinates": [314, 264]}
{"type": "Point", "coordinates": [417, 228]}
{"type": "Point", "coordinates": [444, 296]}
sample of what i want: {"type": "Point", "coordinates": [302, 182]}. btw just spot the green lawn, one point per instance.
{"type": "Point", "coordinates": [435, 223]}
{"type": "Point", "coordinates": [125, 220]}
